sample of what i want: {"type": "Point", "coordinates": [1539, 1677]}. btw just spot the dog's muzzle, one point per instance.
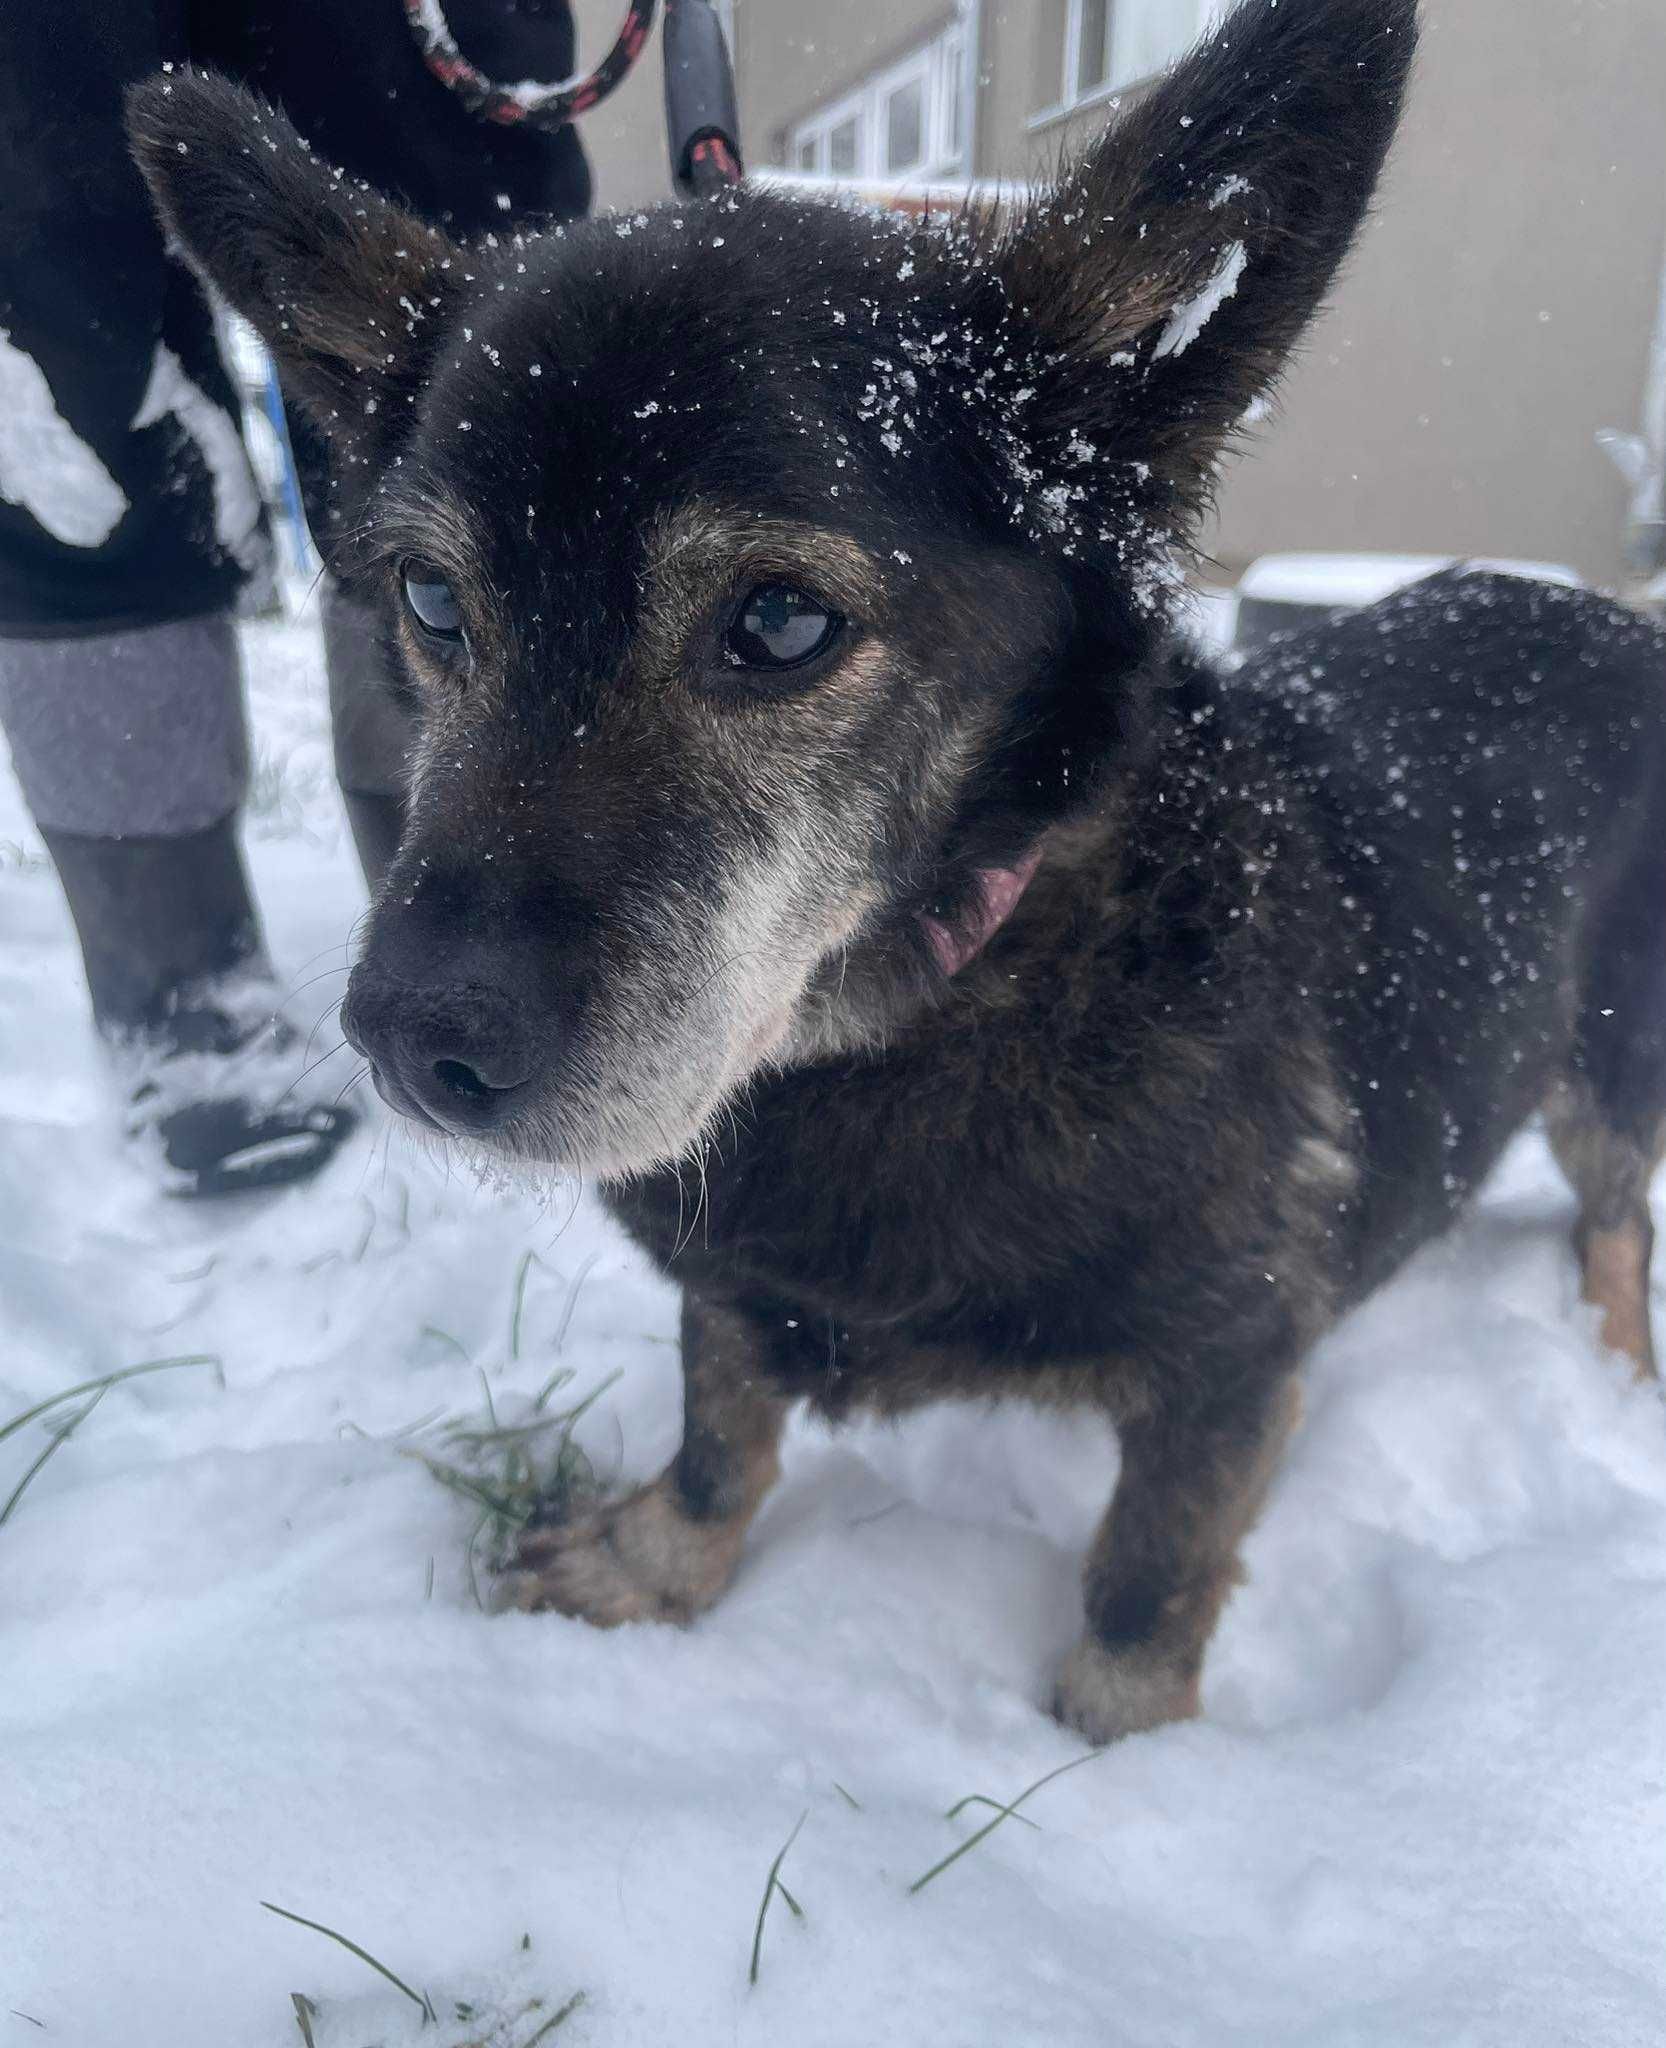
{"type": "Point", "coordinates": [459, 1059]}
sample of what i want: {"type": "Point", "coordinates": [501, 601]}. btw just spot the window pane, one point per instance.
{"type": "Point", "coordinates": [1093, 59]}
{"type": "Point", "coordinates": [807, 154]}
{"type": "Point", "coordinates": [905, 121]}
{"type": "Point", "coordinates": [841, 146]}
{"type": "Point", "coordinates": [1147, 36]}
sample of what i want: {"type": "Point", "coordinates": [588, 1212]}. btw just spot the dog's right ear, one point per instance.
{"type": "Point", "coordinates": [339, 283]}
{"type": "Point", "coordinates": [1172, 269]}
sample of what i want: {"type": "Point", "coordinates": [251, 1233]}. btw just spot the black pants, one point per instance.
{"type": "Point", "coordinates": [135, 515]}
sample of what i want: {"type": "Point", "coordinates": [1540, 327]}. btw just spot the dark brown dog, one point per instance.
{"type": "Point", "coordinates": [817, 835]}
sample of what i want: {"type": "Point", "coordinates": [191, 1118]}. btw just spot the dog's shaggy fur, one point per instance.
{"type": "Point", "coordinates": [1303, 946]}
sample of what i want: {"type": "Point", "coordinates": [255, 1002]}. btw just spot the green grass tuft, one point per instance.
{"type": "Point", "coordinates": [517, 1472]}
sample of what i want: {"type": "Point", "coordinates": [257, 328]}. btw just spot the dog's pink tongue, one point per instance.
{"type": "Point", "coordinates": [998, 892]}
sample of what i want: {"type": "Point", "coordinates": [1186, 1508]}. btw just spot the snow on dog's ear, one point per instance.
{"type": "Point", "coordinates": [1169, 273]}
{"type": "Point", "coordinates": [338, 282]}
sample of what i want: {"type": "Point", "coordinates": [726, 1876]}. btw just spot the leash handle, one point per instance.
{"type": "Point", "coordinates": [531, 105]}
{"type": "Point", "coordinates": [702, 122]}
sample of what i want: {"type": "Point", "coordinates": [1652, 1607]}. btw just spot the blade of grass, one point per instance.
{"type": "Point", "coordinates": [983, 1799]}
{"type": "Point", "coordinates": [109, 1379]}
{"type": "Point", "coordinates": [849, 1798]}
{"type": "Point", "coordinates": [55, 1444]}
{"type": "Point", "coordinates": [772, 1885]}
{"type": "Point", "coordinates": [1001, 1813]}
{"type": "Point", "coordinates": [419, 1999]}
{"type": "Point", "coordinates": [595, 1394]}
{"type": "Point", "coordinates": [556, 1381]}
{"type": "Point", "coordinates": [445, 1337]}
{"type": "Point", "coordinates": [475, 1534]}
{"type": "Point", "coordinates": [371, 1220]}
{"type": "Point", "coordinates": [555, 2020]}
{"type": "Point", "coordinates": [472, 1489]}
{"type": "Point", "coordinates": [304, 2011]}
{"type": "Point", "coordinates": [579, 1279]}
{"type": "Point", "coordinates": [521, 1272]}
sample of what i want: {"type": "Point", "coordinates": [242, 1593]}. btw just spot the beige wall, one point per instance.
{"type": "Point", "coordinates": [1498, 313]}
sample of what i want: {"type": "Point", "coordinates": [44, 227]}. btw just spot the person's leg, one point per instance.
{"type": "Point", "coordinates": [129, 524]}
{"type": "Point", "coordinates": [371, 730]}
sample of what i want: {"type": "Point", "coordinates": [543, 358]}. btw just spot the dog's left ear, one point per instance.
{"type": "Point", "coordinates": [340, 284]}
{"type": "Point", "coordinates": [1168, 275]}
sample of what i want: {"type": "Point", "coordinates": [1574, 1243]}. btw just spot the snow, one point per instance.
{"type": "Point", "coordinates": [1426, 1805]}
{"type": "Point", "coordinates": [1190, 319]}
{"type": "Point", "coordinates": [45, 466]}
{"type": "Point", "coordinates": [219, 441]}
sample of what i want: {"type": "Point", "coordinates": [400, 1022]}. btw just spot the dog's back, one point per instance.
{"type": "Point", "coordinates": [1482, 760]}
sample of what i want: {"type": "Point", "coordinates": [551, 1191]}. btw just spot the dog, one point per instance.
{"type": "Point", "coordinates": [819, 836]}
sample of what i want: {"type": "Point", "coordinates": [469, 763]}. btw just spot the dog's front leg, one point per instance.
{"type": "Point", "coordinates": [667, 1552]}
{"type": "Point", "coordinates": [1165, 1556]}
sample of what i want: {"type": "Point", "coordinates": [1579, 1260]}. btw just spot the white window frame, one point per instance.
{"type": "Point", "coordinates": [939, 69]}
{"type": "Point", "coordinates": [818, 132]}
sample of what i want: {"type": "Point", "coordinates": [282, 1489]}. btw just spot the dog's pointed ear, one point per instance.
{"type": "Point", "coordinates": [1168, 274]}
{"type": "Point", "coordinates": [340, 284]}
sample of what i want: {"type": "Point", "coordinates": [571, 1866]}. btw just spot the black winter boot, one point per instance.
{"type": "Point", "coordinates": [183, 993]}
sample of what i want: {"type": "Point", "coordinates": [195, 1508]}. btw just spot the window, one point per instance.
{"type": "Point", "coordinates": [1109, 44]}
{"type": "Point", "coordinates": [905, 126]}
{"type": "Point", "coordinates": [902, 122]}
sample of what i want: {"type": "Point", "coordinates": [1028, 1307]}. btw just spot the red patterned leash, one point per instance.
{"type": "Point", "coordinates": [701, 121]}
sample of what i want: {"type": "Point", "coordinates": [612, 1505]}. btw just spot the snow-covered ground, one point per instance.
{"type": "Point", "coordinates": [240, 1659]}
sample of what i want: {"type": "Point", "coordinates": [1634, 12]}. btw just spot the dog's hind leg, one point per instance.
{"type": "Point", "coordinates": [1607, 1117]}
{"type": "Point", "coordinates": [665, 1553]}
{"type": "Point", "coordinates": [1165, 1558]}
{"type": "Point", "coordinates": [1610, 1167]}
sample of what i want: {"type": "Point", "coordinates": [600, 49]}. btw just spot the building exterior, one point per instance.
{"type": "Point", "coordinates": [1504, 310]}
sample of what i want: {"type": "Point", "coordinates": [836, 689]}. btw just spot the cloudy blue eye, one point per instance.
{"type": "Point", "coordinates": [777, 627]}
{"type": "Point", "coordinates": [431, 601]}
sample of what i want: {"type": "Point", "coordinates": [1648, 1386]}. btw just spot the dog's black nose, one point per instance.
{"type": "Point", "coordinates": [458, 1057]}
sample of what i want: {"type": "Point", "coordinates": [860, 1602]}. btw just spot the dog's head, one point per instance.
{"type": "Point", "coordinates": [769, 577]}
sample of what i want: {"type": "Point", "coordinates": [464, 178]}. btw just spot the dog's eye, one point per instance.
{"type": "Point", "coordinates": [777, 627]}
{"type": "Point", "coordinates": [431, 602]}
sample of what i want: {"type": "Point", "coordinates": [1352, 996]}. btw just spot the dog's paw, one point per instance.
{"type": "Point", "coordinates": [1105, 1694]}
{"type": "Point", "coordinates": [639, 1559]}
